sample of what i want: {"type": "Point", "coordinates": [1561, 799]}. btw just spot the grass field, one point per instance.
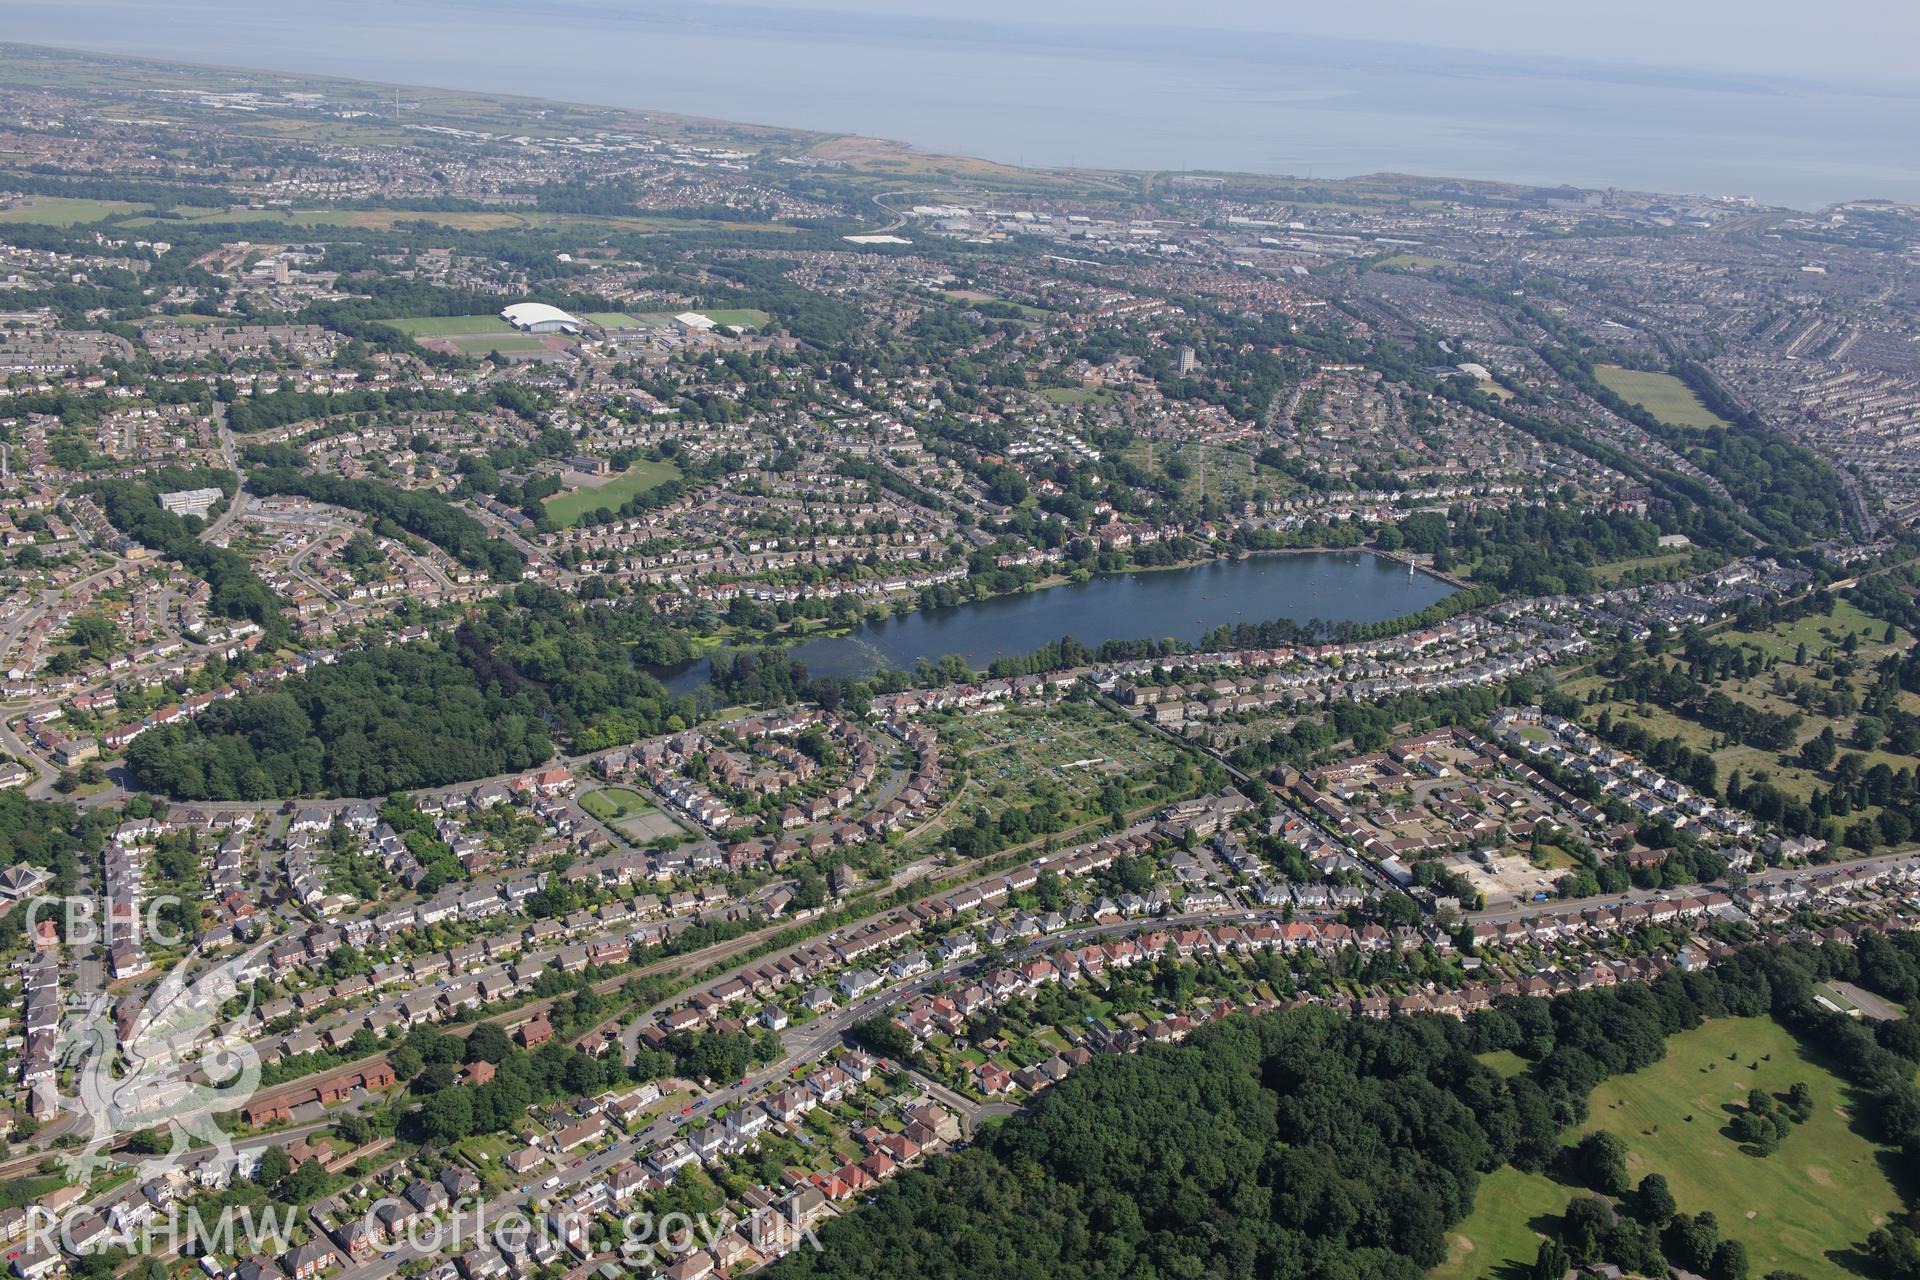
{"type": "Point", "coordinates": [745, 317]}
{"type": "Point", "coordinates": [974, 295]}
{"type": "Point", "coordinates": [1805, 1208]}
{"type": "Point", "coordinates": [1501, 1237]}
{"type": "Point", "coordinates": [1820, 633]}
{"type": "Point", "coordinates": [610, 804]}
{"type": "Point", "coordinates": [1406, 260]}
{"type": "Point", "coordinates": [565, 508]}
{"type": "Point", "coordinates": [1610, 573]}
{"type": "Point", "coordinates": [467, 220]}
{"type": "Point", "coordinates": [1661, 394]}
{"type": "Point", "coordinates": [1819, 630]}
{"type": "Point", "coordinates": [1077, 395]}
{"type": "Point", "coordinates": [504, 343]}
{"type": "Point", "coordinates": [450, 326]}
{"type": "Point", "coordinates": [1505, 1061]}
{"type": "Point", "coordinates": [460, 328]}
{"type": "Point", "coordinates": [59, 211]}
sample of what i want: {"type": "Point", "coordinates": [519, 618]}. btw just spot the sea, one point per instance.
{"type": "Point", "coordinates": [1090, 95]}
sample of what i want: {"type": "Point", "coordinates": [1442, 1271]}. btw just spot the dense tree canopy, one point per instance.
{"type": "Point", "coordinates": [1306, 1144]}
{"type": "Point", "coordinates": [390, 720]}
{"type": "Point", "coordinates": [493, 697]}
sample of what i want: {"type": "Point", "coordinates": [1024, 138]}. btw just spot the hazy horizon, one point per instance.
{"type": "Point", "coordinates": [1353, 93]}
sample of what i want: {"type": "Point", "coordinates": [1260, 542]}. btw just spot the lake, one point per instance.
{"type": "Point", "coordinates": [1181, 604]}
{"type": "Point", "coordinates": [1048, 93]}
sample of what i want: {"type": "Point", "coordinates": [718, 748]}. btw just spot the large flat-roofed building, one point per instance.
{"type": "Point", "coordinates": [190, 502]}
{"type": "Point", "coordinates": [538, 317]}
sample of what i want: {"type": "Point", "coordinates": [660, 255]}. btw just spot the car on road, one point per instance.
{"type": "Point", "coordinates": [387, 1257]}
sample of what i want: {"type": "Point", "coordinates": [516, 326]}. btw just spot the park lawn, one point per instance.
{"type": "Point", "coordinates": [568, 507]}
{"type": "Point", "coordinates": [451, 326]}
{"type": "Point", "coordinates": [1791, 778]}
{"type": "Point", "coordinates": [1788, 776]}
{"type": "Point", "coordinates": [1510, 1211]}
{"type": "Point", "coordinates": [1784, 640]}
{"type": "Point", "coordinates": [1816, 1197]}
{"type": "Point", "coordinates": [1076, 395]}
{"type": "Point", "coordinates": [1663, 723]}
{"type": "Point", "coordinates": [1660, 394]}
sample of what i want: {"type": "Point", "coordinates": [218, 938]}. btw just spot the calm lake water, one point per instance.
{"type": "Point", "coordinates": [1047, 92]}
{"type": "Point", "coordinates": [1182, 604]}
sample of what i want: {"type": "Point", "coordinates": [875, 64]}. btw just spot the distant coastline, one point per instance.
{"type": "Point", "coordinates": [1206, 101]}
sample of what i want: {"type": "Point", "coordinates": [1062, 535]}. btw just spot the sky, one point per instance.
{"type": "Point", "coordinates": [1826, 39]}
{"type": "Point", "coordinates": [1870, 43]}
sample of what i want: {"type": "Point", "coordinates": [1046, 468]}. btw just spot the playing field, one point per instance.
{"type": "Point", "coordinates": [745, 317]}
{"type": "Point", "coordinates": [61, 211]}
{"type": "Point", "coordinates": [1815, 1198]}
{"type": "Point", "coordinates": [1660, 394]}
{"type": "Point", "coordinates": [505, 344]}
{"type": "Point", "coordinates": [565, 508]}
{"type": "Point", "coordinates": [451, 326]}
